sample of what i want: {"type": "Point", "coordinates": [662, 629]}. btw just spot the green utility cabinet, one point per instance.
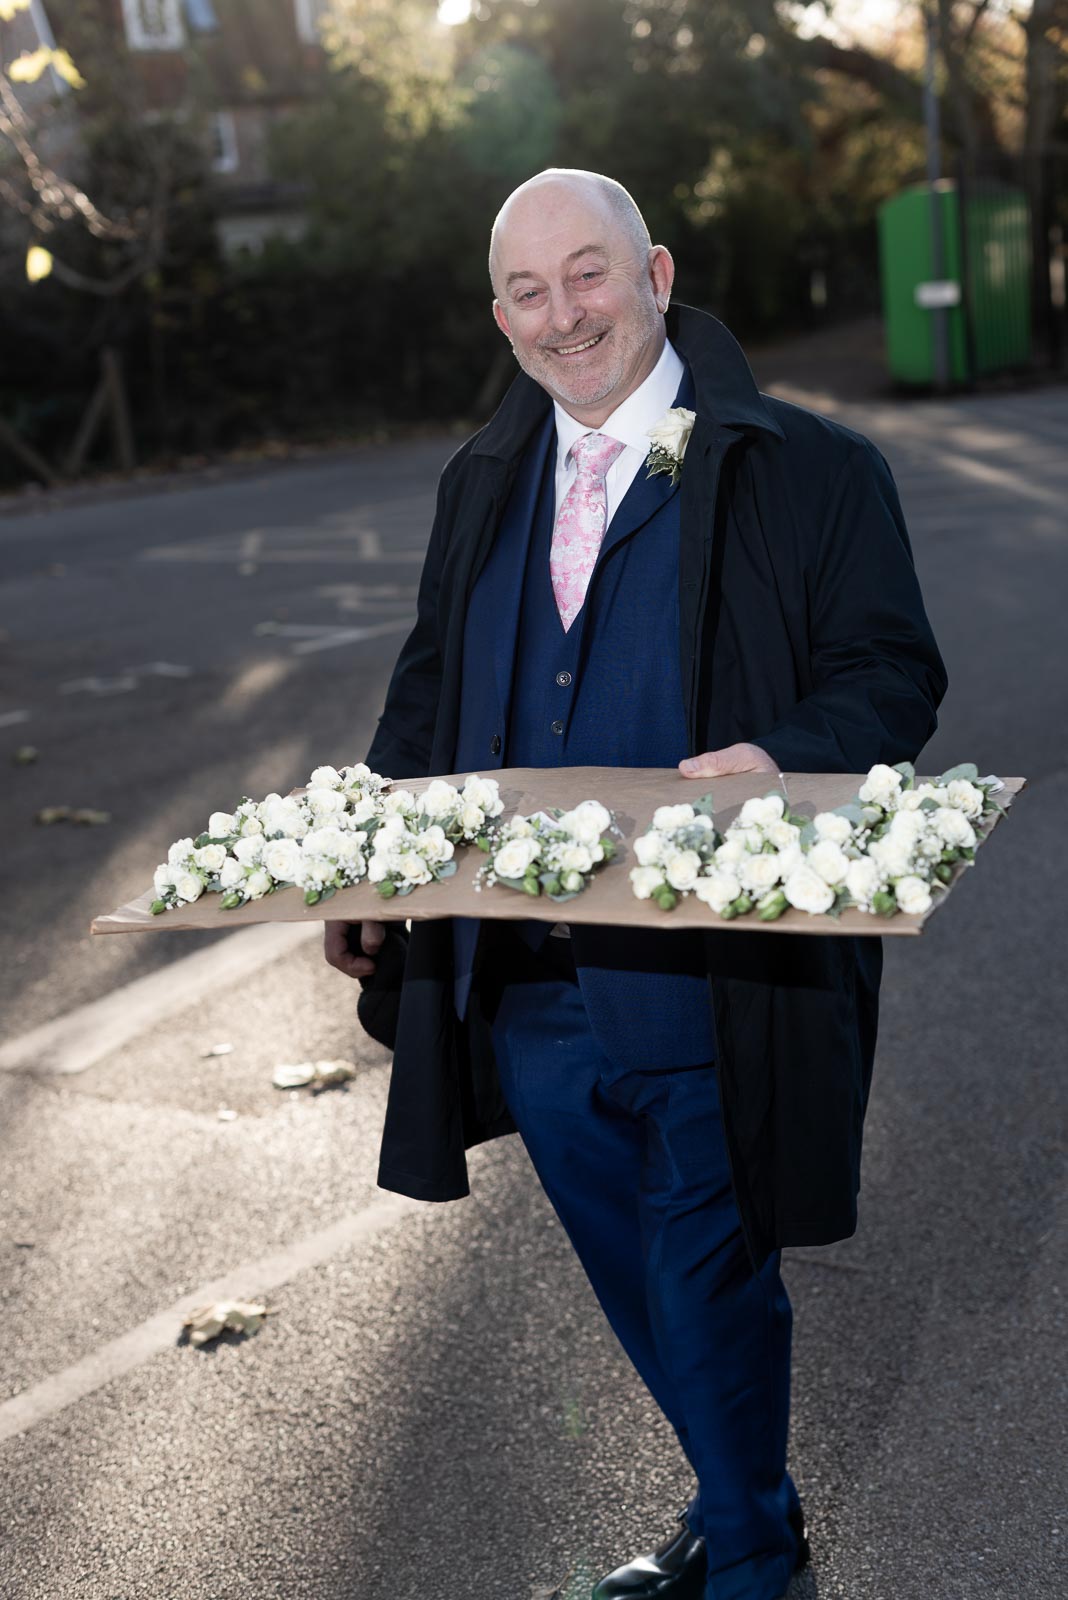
{"type": "Point", "coordinates": [989, 257]}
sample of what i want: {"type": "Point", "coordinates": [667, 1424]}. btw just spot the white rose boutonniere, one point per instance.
{"type": "Point", "coordinates": [670, 437]}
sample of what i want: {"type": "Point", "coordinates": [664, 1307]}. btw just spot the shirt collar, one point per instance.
{"type": "Point", "coordinates": [630, 422]}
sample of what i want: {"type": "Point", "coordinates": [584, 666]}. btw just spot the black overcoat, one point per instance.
{"type": "Point", "coordinates": [802, 629]}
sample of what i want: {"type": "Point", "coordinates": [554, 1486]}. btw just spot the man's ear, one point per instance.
{"type": "Point", "coordinates": [661, 274]}
{"type": "Point", "coordinates": [501, 320]}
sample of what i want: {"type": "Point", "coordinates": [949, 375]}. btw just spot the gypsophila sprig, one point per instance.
{"type": "Point", "coordinates": [550, 852]}
{"type": "Point", "coordinates": [415, 839]}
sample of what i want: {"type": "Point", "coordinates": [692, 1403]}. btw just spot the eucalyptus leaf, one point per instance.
{"type": "Point", "coordinates": [704, 807]}
{"type": "Point", "coordinates": [853, 812]}
{"type": "Point", "coordinates": [967, 770]}
{"type": "Point", "coordinates": [447, 869]}
{"type": "Point", "coordinates": [907, 771]}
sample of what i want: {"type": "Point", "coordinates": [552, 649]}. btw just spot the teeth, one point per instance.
{"type": "Point", "coordinates": [573, 349]}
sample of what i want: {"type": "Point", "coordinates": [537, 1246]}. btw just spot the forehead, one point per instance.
{"type": "Point", "coordinates": [542, 229]}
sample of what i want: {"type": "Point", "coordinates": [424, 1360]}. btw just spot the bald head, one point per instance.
{"type": "Point", "coordinates": [569, 190]}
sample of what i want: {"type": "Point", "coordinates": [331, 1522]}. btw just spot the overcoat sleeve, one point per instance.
{"type": "Point", "coordinates": [876, 676]}
{"type": "Point", "coordinates": [402, 744]}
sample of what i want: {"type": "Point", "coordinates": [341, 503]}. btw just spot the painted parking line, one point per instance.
{"type": "Point", "coordinates": [162, 1331]}
{"type": "Point", "coordinates": [82, 1037]}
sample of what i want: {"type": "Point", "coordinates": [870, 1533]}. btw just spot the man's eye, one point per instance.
{"type": "Point", "coordinates": [594, 272]}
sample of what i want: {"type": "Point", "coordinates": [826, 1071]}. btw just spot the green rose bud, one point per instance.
{"type": "Point", "coordinates": [666, 898]}
{"type": "Point", "coordinates": [771, 905]}
{"type": "Point", "coordinates": [386, 889]}
{"type": "Point", "coordinates": [311, 896]}
{"type": "Point", "coordinates": [885, 903]}
{"type": "Point", "coordinates": [230, 901]}
{"type": "Point", "coordinates": [157, 906]}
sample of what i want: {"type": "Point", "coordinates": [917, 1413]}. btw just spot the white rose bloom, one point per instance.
{"type": "Point", "coordinates": [572, 882]}
{"type": "Point", "coordinates": [731, 851]}
{"type": "Point", "coordinates": [249, 851]}
{"type": "Point", "coordinates": [667, 817]}
{"type": "Point", "coordinates": [438, 799]}
{"type": "Point", "coordinates": [718, 890]}
{"type": "Point", "coordinates": [257, 884]}
{"type": "Point", "coordinates": [221, 824]}
{"type": "Point", "coordinates": [953, 827]}
{"type": "Point", "coordinates": [681, 870]}
{"type": "Point", "coordinates": [163, 878]}
{"type": "Point", "coordinates": [179, 852]}
{"type": "Point", "coordinates": [398, 801]}
{"type": "Point", "coordinates": [413, 869]}
{"type": "Point", "coordinates": [325, 802]}
{"type": "Point", "coordinates": [513, 858]}
{"type": "Point", "coordinates": [673, 430]}
{"type": "Point", "coordinates": [913, 895]}
{"type": "Point", "coordinates": [323, 841]}
{"type": "Point", "coordinates": [882, 786]}
{"type": "Point", "coordinates": [893, 858]}
{"type": "Point", "coordinates": [965, 796]}
{"type": "Point", "coordinates": [391, 828]}
{"type": "Point", "coordinates": [188, 886]}
{"type": "Point", "coordinates": [863, 879]}
{"type": "Point", "coordinates": [282, 858]}
{"type": "Point", "coordinates": [749, 836]}
{"type": "Point", "coordinates": [789, 860]}
{"type": "Point", "coordinates": [828, 859]}
{"type": "Point", "coordinates": [586, 822]}
{"type": "Point", "coordinates": [576, 858]}
{"type": "Point", "coordinates": [783, 834]}
{"type": "Point", "coordinates": [472, 817]}
{"type": "Point", "coordinates": [649, 849]}
{"type": "Point", "coordinates": [908, 826]}
{"type": "Point", "coordinates": [356, 774]}
{"type": "Point", "coordinates": [378, 867]}
{"type": "Point", "coordinates": [762, 811]}
{"type": "Point", "coordinates": [830, 826]}
{"type": "Point", "coordinates": [760, 872]}
{"type": "Point", "coordinates": [325, 778]}
{"type": "Point", "coordinates": [484, 793]}
{"type": "Point", "coordinates": [520, 828]}
{"type": "Point", "coordinates": [250, 826]}
{"type": "Point", "coordinates": [434, 845]}
{"type": "Point", "coordinates": [646, 881]}
{"type": "Point", "coordinates": [210, 857]}
{"type": "Point", "coordinates": [283, 816]}
{"type": "Point", "coordinates": [807, 891]}
{"type": "Point", "coordinates": [351, 852]}
{"type": "Point", "coordinates": [232, 874]}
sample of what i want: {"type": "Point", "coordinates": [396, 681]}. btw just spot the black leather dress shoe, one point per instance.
{"type": "Point", "coordinates": [677, 1570]}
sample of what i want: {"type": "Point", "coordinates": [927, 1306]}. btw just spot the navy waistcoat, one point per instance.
{"type": "Point", "coordinates": [605, 693]}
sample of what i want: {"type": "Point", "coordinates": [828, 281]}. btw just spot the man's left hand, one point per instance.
{"type": "Point", "coordinates": [735, 758]}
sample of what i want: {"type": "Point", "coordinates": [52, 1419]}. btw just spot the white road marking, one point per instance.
{"type": "Point", "coordinates": [341, 555]}
{"type": "Point", "coordinates": [120, 685]}
{"type": "Point", "coordinates": [71, 1043]}
{"type": "Point", "coordinates": [161, 1332]}
{"type": "Point", "coordinates": [315, 636]}
{"type": "Point", "coordinates": [11, 719]}
{"type": "Point", "coordinates": [160, 669]}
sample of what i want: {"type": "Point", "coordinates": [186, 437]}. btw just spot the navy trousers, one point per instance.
{"type": "Point", "coordinates": [635, 1166]}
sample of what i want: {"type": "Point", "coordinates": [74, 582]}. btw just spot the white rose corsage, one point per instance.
{"type": "Point", "coordinates": [670, 437]}
{"type": "Point", "coordinates": [553, 853]}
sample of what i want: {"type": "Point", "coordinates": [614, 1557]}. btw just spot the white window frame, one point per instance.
{"type": "Point", "coordinates": [170, 35]}
{"type": "Point", "coordinates": [227, 158]}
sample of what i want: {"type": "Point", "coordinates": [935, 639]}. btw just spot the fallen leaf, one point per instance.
{"type": "Point", "coordinates": [216, 1050]}
{"type": "Point", "coordinates": [25, 755]}
{"type": "Point", "coordinates": [50, 814]}
{"type": "Point", "coordinates": [207, 1322]}
{"type": "Point", "coordinates": [317, 1075]}
{"type": "Point", "coordinates": [90, 818]}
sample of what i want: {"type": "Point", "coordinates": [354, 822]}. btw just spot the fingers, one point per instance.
{"type": "Point", "coordinates": [721, 763]}
{"type": "Point", "coordinates": [338, 954]}
{"type": "Point", "coordinates": [371, 937]}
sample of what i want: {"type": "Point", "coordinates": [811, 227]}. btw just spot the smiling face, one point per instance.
{"type": "Point", "coordinates": [580, 294]}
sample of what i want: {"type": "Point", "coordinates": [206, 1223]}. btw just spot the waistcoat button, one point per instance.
{"type": "Point", "coordinates": [495, 745]}
{"type": "Point", "coordinates": [557, 727]}
{"type": "Point", "coordinates": [563, 679]}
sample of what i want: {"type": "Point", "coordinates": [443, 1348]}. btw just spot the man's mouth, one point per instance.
{"type": "Point", "coordinates": [569, 350]}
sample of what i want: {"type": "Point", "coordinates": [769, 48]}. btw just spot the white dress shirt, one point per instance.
{"type": "Point", "coordinates": [629, 423]}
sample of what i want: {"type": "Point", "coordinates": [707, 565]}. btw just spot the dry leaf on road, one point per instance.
{"type": "Point", "coordinates": [316, 1075]}
{"type": "Point", "coordinates": [239, 1316]}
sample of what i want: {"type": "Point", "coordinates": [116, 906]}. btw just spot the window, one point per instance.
{"type": "Point", "coordinates": [153, 24]}
{"type": "Point", "coordinates": [224, 152]}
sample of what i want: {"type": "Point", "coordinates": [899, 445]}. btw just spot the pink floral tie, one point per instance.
{"type": "Point", "coordinates": [580, 524]}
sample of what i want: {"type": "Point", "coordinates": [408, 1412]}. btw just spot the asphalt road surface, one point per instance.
{"type": "Point", "coordinates": [435, 1406]}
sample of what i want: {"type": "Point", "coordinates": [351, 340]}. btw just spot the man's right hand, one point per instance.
{"type": "Point", "coordinates": [337, 952]}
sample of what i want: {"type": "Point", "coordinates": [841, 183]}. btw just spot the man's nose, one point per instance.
{"type": "Point", "coordinates": [564, 312]}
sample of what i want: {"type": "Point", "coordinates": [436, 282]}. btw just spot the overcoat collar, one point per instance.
{"type": "Point", "coordinates": [726, 390]}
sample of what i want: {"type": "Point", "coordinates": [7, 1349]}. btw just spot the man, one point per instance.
{"type": "Point", "coordinates": [691, 1102]}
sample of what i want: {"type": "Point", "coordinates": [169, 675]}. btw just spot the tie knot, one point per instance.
{"type": "Point", "coordinates": [594, 453]}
